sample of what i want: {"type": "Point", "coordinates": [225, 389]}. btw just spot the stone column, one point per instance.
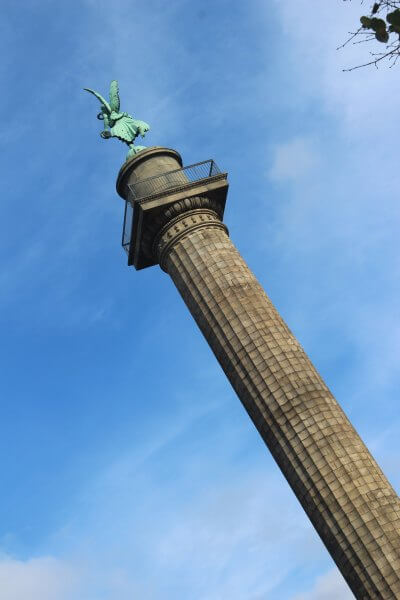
{"type": "Point", "coordinates": [341, 488]}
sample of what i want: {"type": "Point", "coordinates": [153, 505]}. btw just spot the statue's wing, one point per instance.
{"type": "Point", "coordinates": [125, 129]}
{"type": "Point", "coordinates": [114, 96]}
{"type": "Point", "coordinates": [100, 98]}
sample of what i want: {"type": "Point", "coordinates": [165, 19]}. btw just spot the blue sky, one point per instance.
{"type": "Point", "coordinates": [130, 470]}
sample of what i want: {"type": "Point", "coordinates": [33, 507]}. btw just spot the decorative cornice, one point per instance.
{"type": "Point", "coordinates": [194, 203]}
{"type": "Point", "coordinates": [152, 233]}
{"type": "Point", "coordinates": [152, 213]}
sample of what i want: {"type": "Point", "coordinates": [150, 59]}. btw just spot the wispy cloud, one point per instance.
{"type": "Point", "coordinates": [364, 101]}
{"type": "Point", "coordinates": [339, 226]}
{"type": "Point", "coordinates": [45, 578]}
{"type": "Point", "coordinates": [330, 586]}
{"type": "Point", "coordinates": [177, 497]}
{"type": "Point", "coordinates": [175, 542]}
{"type": "Point", "coordinates": [293, 159]}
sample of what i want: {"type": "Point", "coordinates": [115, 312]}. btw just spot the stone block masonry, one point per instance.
{"type": "Point", "coordinates": [348, 499]}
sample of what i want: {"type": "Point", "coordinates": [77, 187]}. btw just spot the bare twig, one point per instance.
{"type": "Point", "coordinates": [353, 35]}
{"type": "Point", "coordinates": [371, 31]}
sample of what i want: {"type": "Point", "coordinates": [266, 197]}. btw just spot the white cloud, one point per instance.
{"type": "Point", "coordinates": [51, 578]}
{"type": "Point", "coordinates": [330, 586]}
{"type": "Point", "coordinates": [246, 534]}
{"type": "Point", "coordinates": [43, 578]}
{"type": "Point", "coordinates": [293, 159]}
{"type": "Point", "coordinates": [191, 525]}
{"type": "Point", "coordinates": [241, 540]}
{"type": "Point", "coordinates": [339, 231]}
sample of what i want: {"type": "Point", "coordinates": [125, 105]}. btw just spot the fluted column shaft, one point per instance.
{"type": "Point", "coordinates": [343, 491]}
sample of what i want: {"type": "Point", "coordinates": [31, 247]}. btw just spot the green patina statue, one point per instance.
{"type": "Point", "coordinates": [119, 124]}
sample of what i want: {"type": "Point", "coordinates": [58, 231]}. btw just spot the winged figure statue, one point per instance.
{"type": "Point", "coordinates": [119, 124]}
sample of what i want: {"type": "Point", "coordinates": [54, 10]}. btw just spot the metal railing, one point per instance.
{"type": "Point", "coordinates": [177, 178]}
{"type": "Point", "coordinates": [127, 228]}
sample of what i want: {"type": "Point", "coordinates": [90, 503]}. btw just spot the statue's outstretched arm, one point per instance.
{"type": "Point", "coordinates": [102, 100]}
{"type": "Point", "coordinates": [105, 134]}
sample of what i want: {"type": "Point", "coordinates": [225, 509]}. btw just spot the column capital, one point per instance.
{"type": "Point", "coordinates": [157, 191]}
{"type": "Point", "coordinates": [191, 214]}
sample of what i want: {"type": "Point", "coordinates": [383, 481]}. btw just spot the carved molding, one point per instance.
{"type": "Point", "coordinates": [180, 226]}
{"type": "Point", "coordinates": [171, 215]}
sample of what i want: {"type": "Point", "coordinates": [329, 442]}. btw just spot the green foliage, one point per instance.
{"type": "Point", "coordinates": [382, 36]}
{"type": "Point", "coordinates": [378, 26]}
{"type": "Point", "coordinates": [366, 22]}
{"type": "Point", "coordinates": [394, 19]}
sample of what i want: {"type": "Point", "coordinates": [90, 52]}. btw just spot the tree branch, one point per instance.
{"type": "Point", "coordinates": [375, 28]}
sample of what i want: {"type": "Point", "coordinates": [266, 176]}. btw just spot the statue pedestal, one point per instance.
{"type": "Point", "coordinates": [154, 181]}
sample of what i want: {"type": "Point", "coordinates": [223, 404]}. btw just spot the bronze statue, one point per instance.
{"type": "Point", "coordinates": [119, 124]}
